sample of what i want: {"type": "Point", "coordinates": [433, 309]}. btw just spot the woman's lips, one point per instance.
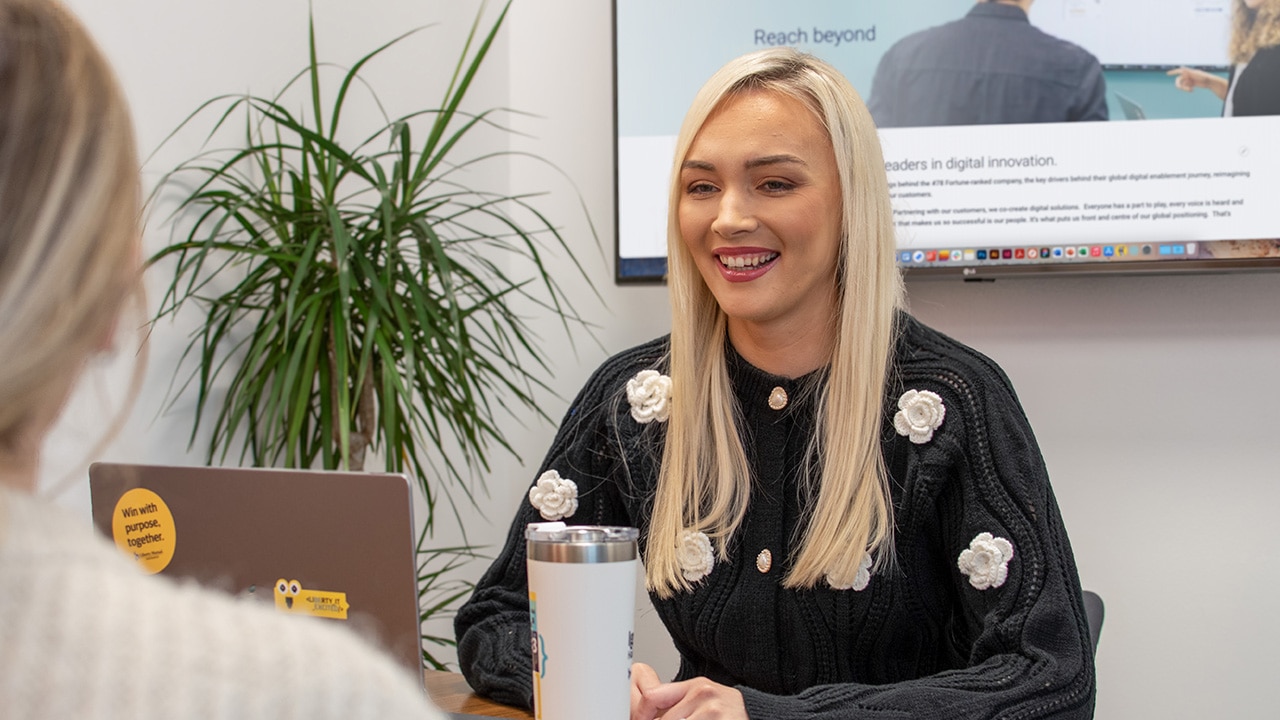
{"type": "Point", "coordinates": [745, 264]}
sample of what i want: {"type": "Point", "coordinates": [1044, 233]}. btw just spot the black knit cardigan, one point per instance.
{"type": "Point", "coordinates": [919, 641]}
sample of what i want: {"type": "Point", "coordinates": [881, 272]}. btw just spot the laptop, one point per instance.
{"type": "Point", "coordinates": [1131, 109]}
{"type": "Point", "coordinates": [339, 546]}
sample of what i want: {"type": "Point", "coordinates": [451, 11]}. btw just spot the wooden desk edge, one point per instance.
{"type": "Point", "coordinates": [451, 693]}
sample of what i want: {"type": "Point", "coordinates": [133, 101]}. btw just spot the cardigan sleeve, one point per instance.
{"type": "Point", "coordinates": [1018, 625]}
{"type": "Point", "coordinates": [492, 628]}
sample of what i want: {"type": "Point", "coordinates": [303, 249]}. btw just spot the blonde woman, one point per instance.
{"type": "Point", "coordinates": [842, 512]}
{"type": "Point", "coordinates": [1253, 87]}
{"type": "Point", "coordinates": [83, 634]}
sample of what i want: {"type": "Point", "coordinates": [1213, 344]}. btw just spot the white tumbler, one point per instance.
{"type": "Point", "coordinates": [582, 584]}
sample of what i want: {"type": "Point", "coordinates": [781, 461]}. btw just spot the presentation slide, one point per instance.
{"type": "Point", "coordinates": [1185, 182]}
{"type": "Point", "coordinates": [1141, 33]}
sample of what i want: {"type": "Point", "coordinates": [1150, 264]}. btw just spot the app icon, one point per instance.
{"type": "Point", "coordinates": [1020, 254]}
{"type": "Point", "coordinates": [1146, 249]}
{"type": "Point", "coordinates": [982, 254]}
{"type": "Point", "coordinates": [1122, 250]}
{"type": "Point", "coordinates": [944, 254]}
{"type": "Point", "coordinates": [1007, 254]}
{"type": "Point", "coordinates": [971, 255]}
{"type": "Point", "coordinates": [905, 256]}
{"type": "Point", "coordinates": [1044, 252]}
{"type": "Point", "coordinates": [1166, 250]}
{"type": "Point", "coordinates": [917, 256]}
{"type": "Point", "coordinates": [1191, 248]}
{"type": "Point", "coordinates": [1033, 253]}
{"type": "Point", "coordinates": [1057, 252]}
{"type": "Point", "coordinates": [1179, 250]}
{"type": "Point", "coordinates": [1108, 251]}
{"type": "Point", "coordinates": [1095, 251]}
{"type": "Point", "coordinates": [931, 256]}
{"type": "Point", "coordinates": [1071, 252]}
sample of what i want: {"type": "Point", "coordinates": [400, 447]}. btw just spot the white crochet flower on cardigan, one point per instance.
{"type": "Point", "coordinates": [649, 393]}
{"type": "Point", "coordinates": [860, 580]}
{"type": "Point", "coordinates": [555, 497]}
{"type": "Point", "coordinates": [920, 413]}
{"type": "Point", "coordinates": [695, 556]}
{"type": "Point", "coordinates": [986, 561]}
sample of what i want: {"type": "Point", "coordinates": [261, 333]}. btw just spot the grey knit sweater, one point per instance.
{"type": "Point", "coordinates": [979, 616]}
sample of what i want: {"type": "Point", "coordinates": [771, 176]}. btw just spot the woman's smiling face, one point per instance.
{"type": "Point", "coordinates": [760, 212]}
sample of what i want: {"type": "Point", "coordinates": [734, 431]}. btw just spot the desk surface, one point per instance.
{"type": "Point", "coordinates": [452, 694]}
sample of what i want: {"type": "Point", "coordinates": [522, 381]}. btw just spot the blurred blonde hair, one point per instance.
{"type": "Point", "coordinates": [704, 482]}
{"type": "Point", "coordinates": [69, 211]}
{"type": "Point", "coordinates": [1253, 29]}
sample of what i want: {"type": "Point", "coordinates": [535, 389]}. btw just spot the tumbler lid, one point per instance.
{"type": "Point", "coordinates": [557, 542]}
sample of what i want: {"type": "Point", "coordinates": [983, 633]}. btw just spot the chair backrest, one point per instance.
{"type": "Point", "coordinates": [1094, 611]}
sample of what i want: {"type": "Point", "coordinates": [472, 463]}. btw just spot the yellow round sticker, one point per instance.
{"type": "Point", "coordinates": [143, 527]}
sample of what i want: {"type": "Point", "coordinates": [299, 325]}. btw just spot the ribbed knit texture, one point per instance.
{"type": "Point", "coordinates": [85, 635]}
{"type": "Point", "coordinates": [919, 642]}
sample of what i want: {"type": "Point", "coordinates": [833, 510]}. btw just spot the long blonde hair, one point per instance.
{"type": "Point", "coordinates": [69, 210]}
{"type": "Point", "coordinates": [704, 482]}
{"type": "Point", "coordinates": [1253, 29]}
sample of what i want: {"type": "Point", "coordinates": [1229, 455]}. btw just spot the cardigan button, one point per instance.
{"type": "Point", "coordinates": [764, 560]}
{"type": "Point", "coordinates": [778, 398]}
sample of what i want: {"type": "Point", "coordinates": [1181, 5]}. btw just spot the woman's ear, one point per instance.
{"type": "Point", "coordinates": [106, 343]}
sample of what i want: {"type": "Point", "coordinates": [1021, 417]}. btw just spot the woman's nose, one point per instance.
{"type": "Point", "coordinates": [734, 215]}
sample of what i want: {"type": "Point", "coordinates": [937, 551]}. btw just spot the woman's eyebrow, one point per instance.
{"type": "Point", "coordinates": [697, 165]}
{"type": "Point", "coordinates": [781, 159]}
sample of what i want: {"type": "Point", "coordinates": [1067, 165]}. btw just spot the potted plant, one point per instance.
{"type": "Point", "coordinates": [358, 297]}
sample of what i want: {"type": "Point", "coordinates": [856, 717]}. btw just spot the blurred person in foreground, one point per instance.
{"type": "Point", "coordinates": [843, 513]}
{"type": "Point", "coordinates": [84, 633]}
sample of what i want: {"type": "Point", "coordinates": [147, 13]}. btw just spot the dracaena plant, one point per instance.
{"type": "Point", "coordinates": [357, 299]}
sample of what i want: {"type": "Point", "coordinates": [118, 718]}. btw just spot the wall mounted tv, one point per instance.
{"type": "Point", "coordinates": [1166, 184]}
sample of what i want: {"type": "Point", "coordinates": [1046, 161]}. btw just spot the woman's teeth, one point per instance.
{"type": "Point", "coordinates": [746, 261]}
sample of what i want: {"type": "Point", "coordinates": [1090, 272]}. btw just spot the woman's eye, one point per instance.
{"type": "Point", "coordinates": [701, 188]}
{"type": "Point", "coordinates": [776, 186]}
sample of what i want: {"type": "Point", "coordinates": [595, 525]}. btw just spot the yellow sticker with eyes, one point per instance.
{"type": "Point", "coordinates": [292, 597]}
{"type": "Point", "coordinates": [142, 526]}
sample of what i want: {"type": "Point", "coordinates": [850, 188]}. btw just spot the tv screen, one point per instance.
{"type": "Point", "coordinates": [1165, 183]}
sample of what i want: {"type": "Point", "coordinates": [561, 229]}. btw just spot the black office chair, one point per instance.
{"type": "Point", "coordinates": [1094, 611]}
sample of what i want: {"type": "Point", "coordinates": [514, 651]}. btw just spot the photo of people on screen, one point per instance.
{"type": "Point", "coordinates": [1253, 87]}
{"type": "Point", "coordinates": [990, 67]}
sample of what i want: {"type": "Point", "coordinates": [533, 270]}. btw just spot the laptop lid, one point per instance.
{"type": "Point", "coordinates": [338, 546]}
{"type": "Point", "coordinates": [1132, 110]}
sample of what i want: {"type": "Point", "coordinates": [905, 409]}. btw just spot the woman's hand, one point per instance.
{"type": "Point", "coordinates": [1188, 79]}
{"type": "Point", "coordinates": [696, 699]}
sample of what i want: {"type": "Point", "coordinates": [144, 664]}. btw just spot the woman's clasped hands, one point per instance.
{"type": "Point", "coordinates": [696, 699]}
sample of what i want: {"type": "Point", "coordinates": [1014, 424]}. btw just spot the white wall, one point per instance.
{"type": "Point", "coordinates": [1151, 397]}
